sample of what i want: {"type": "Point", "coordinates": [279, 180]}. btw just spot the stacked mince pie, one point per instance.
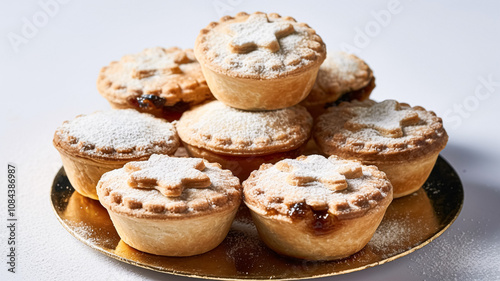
{"type": "Point", "coordinates": [241, 105]}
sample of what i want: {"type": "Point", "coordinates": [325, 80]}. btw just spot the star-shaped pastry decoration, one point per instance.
{"type": "Point", "coordinates": [159, 61]}
{"type": "Point", "coordinates": [145, 71]}
{"type": "Point", "coordinates": [258, 32]}
{"type": "Point", "coordinates": [332, 172]}
{"type": "Point", "coordinates": [169, 175]}
{"type": "Point", "coordinates": [386, 117]}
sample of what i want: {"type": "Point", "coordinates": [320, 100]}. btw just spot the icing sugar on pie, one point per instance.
{"type": "Point", "coordinates": [160, 81]}
{"type": "Point", "coordinates": [250, 60]}
{"type": "Point", "coordinates": [340, 73]}
{"type": "Point", "coordinates": [260, 45]}
{"type": "Point", "coordinates": [228, 130]}
{"type": "Point", "coordinates": [402, 141]}
{"type": "Point", "coordinates": [171, 206]}
{"type": "Point", "coordinates": [342, 76]}
{"type": "Point", "coordinates": [242, 140]}
{"type": "Point", "coordinates": [93, 144]}
{"type": "Point", "coordinates": [317, 208]}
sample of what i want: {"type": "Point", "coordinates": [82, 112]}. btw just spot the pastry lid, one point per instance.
{"type": "Point", "coordinates": [222, 129]}
{"type": "Point", "coordinates": [343, 188]}
{"type": "Point", "coordinates": [374, 131]}
{"type": "Point", "coordinates": [124, 134]}
{"type": "Point", "coordinates": [172, 74]}
{"type": "Point", "coordinates": [339, 74]}
{"type": "Point", "coordinates": [169, 187]}
{"type": "Point", "coordinates": [259, 46]}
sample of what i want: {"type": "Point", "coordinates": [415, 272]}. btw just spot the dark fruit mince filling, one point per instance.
{"type": "Point", "coordinates": [155, 105]}
{"type": "Point", "coordinates": [150, 101]}
{"type": "Point", "coordinates": [322, 221]}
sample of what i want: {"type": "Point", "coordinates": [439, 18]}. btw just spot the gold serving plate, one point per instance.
{"type": "Point", "coordinates": [409, 224]}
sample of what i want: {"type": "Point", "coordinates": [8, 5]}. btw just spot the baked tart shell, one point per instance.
{"type": "Point", "coordinates": [174, 237]}
{"type": "Point", "coordinates": [407, 176]}
{"type": "Point", "coordinates": [255, 94]}
{"type": "Point", "coordinates": [296, 238]}
{"type": "Point", "coordinates": [84, 173]}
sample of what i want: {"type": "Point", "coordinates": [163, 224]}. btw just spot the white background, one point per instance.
{"type": "Point", "coordinates": [427, 53]}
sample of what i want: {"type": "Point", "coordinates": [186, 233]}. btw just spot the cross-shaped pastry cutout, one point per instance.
{"type": "Point", "coordinates": [386, 117]}
{"type": "Point", "coordinates": [169, 175]}
{"type": "Point", "coordinates": [258, 32]}
{"type": "Point", "coordinates": [332, 172]}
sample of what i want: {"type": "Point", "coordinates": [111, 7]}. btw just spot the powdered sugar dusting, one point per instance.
{"type": "Point", "coordinates": [392, 235]}
{"type": "Point", "coordinates": [117, 133]}
{"type": "Point", "coordinates": [222, 191]}
{"type": "Point", "coordinates": [331, 173]}
{"type": "Point", "coordinates": [345, 128]}
{"type": "Point", "coordinates": [87, 232]}
{"type": "Point", "coordinates": [258, 32]}
{"type": "Point", "coordinates": [470, 259]}
{"type": "Point", "coordinates": [151, 61]}
{"type": "Point", "coordinates": [168, 175]}
{"type": "Point", "coordinates": [386, 117]}
{"type": "Point", "coordinates": [297, 49]}
{"type": "Point", "coordinates": [173, 74]}
{"type": "Point", "coordinates": [219, 127]}
{"type": "Point", "coordinates": [269, 187]}
{"type": "Point", "coordinates": [343, 73]}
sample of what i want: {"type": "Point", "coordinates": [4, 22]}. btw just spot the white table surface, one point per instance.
{"type": "Point", "coordinates": [437, 55]}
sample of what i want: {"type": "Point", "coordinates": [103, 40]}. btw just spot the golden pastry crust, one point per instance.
{"type": "Point", "coordinates": [386, 131]}
{"type": "Point", "coordinates": [155, 77]}
{"type": "Point", "coordinates": [400, 140]}
{"type": "Point", "coordinates": [242, 166]}
{"type": "Point", "coordinates": [174, 237]}
{"type": "Point", "coordinates": [91, 145]}
{"type": "Point", "coordinates": [171, 206]}
{"type": "Point", "coordinates": [339, 74]}
{"type": "Point", "coordinates": [259, 61]}
{"type": "Point", "coordinates": [332, 239]}
{"type": "Point", "coordinates": [222, 129]}
{"type": "Point", "coordinates": [138, 189]}
{"type": "Point", "coordinates": [317, 208]}
{"type": "Point", "coordinates": [259, 46]}
{"type": "Point", "coordinates": [343, 188]}
{"type": "Point", "coordinates": [407, 176]}
{"type": "Point", "coordinates": [116, 135]}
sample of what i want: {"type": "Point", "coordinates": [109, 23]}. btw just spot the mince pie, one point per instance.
{"type": "Point", "coordinates": [317, 208]}
{"type": "Point", "coordinates": [401, 140]}
{"type": "Point", "coordinates": [171, 206]}
{"type": "Point", "coordinates": [242, 140]}
{"type": "Point", "coordinates": [160, 81]}
{"type": "Point", "coordinates": [259, 61]}
{"type": "Point", "coordinates": [93, 144]}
